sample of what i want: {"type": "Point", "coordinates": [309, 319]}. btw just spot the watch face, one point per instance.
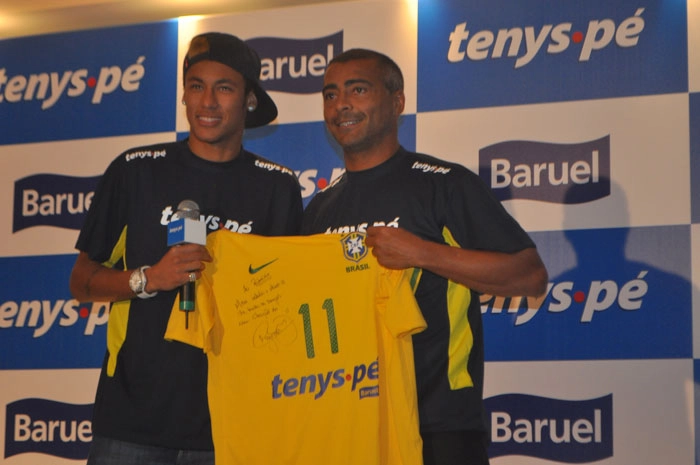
{"type": "Point", "coordinates": [135, 281]}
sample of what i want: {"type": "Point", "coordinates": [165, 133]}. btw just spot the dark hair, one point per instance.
{"type": "Point", "coordinates": [393, 78]}
{"type": "Point", "coordinates": [231, 51]}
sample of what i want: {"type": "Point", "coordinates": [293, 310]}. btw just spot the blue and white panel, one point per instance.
{"type": "Point", "coordinates": [695, 258]}
{"type": "Point", "coordinates": [42, 326]}
{"type": "Point", "coordinates": [48, 416]}
{"type": "Point", "coordinates": [80, 85]}
{"type": "Point", "coordinates": [573, 165]}
{"type": "Point", "coordinates": [518, 52]}
{"type": "Point", "coordinates": [694, 45]}
{"type": "Point", "coordinates": [604, 412]}
{"type": "Point", "coordinates": [694, 104]}
{"type": "Point", "coordinates": [46, 189]}
{"type": "Point", "coordinates": [618, 293]}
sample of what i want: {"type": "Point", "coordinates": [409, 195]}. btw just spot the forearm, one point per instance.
{"type": "Point", "coordinates": [495, 273]}
{"type": "Point", "coordinates": [92, 282]}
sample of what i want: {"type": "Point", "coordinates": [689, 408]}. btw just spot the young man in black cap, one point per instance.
{"type": "Point", "coordinates": [447, 226]}
{"type": "Point", "coordinates": [151, 403]}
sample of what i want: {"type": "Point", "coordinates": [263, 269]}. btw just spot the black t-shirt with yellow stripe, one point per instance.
{"type": "Point", "coordinates": [152, 391]}
{"type": "Point", "coordinates": [446, 203]}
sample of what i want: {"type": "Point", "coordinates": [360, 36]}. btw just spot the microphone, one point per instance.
{"type": "Point", "coordinates": [185, 227]}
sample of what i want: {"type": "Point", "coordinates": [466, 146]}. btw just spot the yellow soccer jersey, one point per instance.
{"type": "Point", "coordinates": [309, 348]}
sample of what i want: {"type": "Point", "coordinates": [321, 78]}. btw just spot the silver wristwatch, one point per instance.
{"type": "Point", "coordinates": [138, 281]}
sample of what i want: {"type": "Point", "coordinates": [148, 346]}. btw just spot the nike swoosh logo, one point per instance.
{"type": "Point", "coordinates": [252, 270]}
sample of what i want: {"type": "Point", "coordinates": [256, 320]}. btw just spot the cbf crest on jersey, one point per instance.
{"type": "Point", "coordinates": [354, 246]}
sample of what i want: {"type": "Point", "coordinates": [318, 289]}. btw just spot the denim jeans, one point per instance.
{"type": "Point", "coordinates": [105, 451]}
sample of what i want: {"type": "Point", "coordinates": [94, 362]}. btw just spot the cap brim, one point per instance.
{"type": "Point", "coordinates": [265, 112]}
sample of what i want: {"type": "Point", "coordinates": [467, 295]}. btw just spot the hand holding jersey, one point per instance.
{"type": "Point", "coordinates": [395, 248]}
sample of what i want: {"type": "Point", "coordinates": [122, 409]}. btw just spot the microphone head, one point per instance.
{"type": "Point", "coordinates": [188, 209]}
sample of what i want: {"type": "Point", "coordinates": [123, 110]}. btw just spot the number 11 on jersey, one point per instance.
{"type": "Point", "coordinates": [305, 312]}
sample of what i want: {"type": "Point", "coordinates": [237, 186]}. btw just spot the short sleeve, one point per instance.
{"type": "Point", "coordinates": [402, 316]}
{"type": "Point", "coordinates": [475, 219]}
{"type": "Point", "coordinates": [107, 215]}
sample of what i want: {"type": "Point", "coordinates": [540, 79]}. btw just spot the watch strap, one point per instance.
{"type": "Point", "coordinates": [143, 294]}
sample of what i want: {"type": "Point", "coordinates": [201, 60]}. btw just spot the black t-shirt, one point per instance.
{"type": "Point", "coordinates": [152, 391]}
{"type": "Point", "coordinates": [445, 203]}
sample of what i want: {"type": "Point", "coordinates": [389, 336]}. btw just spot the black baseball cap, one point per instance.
{"type": "Point", "coordinates": [236, 54]}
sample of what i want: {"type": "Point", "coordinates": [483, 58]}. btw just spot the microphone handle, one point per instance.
{"type": "Point", "coordinates": [187, 297]}
{"type": "Point", "coordinates": [187, 301]}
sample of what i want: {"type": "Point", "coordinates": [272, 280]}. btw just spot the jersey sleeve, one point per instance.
{"type": "Point", "coordinates": [475, 219]}
{"type": "Point", "coordinates": [107, 216]}
{"type": "Point", "coordinates": [397, 304]}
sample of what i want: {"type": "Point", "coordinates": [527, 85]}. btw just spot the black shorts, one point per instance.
{"type": "Point", "coordinates": [455, 448]}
